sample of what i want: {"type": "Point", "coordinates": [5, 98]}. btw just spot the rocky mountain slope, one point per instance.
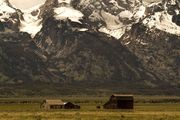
{"type": "Point", "coordinates": [156, 39]}
{"type": "Point", "coordinates": [63, 46]}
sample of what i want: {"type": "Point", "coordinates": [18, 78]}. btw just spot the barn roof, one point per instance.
{"type": "Point", "coordinates": [123, 97]}
{"type": "Point", "coordinates": [56, 102]}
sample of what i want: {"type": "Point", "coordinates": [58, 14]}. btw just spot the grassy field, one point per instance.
{"type": "Point", "coordinates": [146, 108]}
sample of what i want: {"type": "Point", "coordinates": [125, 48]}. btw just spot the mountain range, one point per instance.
{"type": "Point", "coordinates": [68, 47]}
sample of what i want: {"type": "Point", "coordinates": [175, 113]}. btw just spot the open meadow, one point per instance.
{"type": "Point", "coordinates": [146, 108]}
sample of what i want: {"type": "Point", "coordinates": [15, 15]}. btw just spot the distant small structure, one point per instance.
{"type": "Point", "coordinates": [98, 107]}
{"type": "Point", "coordinates": [118, 101]}
{"type": "Point", "coordinates": [58, 104]}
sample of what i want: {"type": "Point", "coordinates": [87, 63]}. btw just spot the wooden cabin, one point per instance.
{"type": "Point", "coordinates": [118, 101]}
{"type": "Point", "coordinates": [52, 104]}
{"type": "Point", "coordinates": [58, 104]}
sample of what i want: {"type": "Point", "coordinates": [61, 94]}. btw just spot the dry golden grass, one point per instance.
{"type": "Point", "coordinates": [88, 111]}
{"type": "Point", "coordinates": [89, 115]}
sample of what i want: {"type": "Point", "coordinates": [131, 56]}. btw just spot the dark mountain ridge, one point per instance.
{"type": "Point", "coordinates": [72, 55]}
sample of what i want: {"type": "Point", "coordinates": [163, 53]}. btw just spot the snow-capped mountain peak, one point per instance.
{"type": "Point", "coordinates": [72, 41]}
{"type": "Point", "coordinates": [9, 16]}
{"type": "Point", "coordinates": [6, 10]}
{"type": "Point", "coordinates": [164, 16]}
{"type": "Point", "coordinates": [68, 13]}
{"type": "Point", "coordinates": [31, 23]}
{"type": "Point", "coordinates": [112, 17]}
{"type": "Point", "coordinates": [33, 18]}
{"type": "Point", "coordinates": [63, 12]}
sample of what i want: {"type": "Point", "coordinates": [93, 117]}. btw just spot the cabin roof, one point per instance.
{"type": "Point", "coordinates": [54, 102]}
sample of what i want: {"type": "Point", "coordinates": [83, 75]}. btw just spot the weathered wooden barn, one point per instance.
{"type": "Point", "coordinates": [118, 101]}
{"type": "Point", "coordinates": [70, 105]}
{"type": "Point", "coordinates": [58, 104]}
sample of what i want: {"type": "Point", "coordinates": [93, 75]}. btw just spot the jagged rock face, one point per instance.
{"type": "Point", "coordinates": [47, 8]}
{"type": "Point", "coordinates": [110, 16]}
{"type": "Point", "coordinates": [9, 17]}
{"type": "Point", "coordinates": [155, 40]}
{"type": "Point", "coordinates": [158, 50]}
{"type": "Point", "coordinates": [170, 5]}
{"type": "Point", "coordinates": [173, 8]}
{"type": "Point", "coordinates": [113, 6]}
{"type": "Point", "coordinates": [163, 16]}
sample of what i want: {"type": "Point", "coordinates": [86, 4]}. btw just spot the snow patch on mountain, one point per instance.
{"type": "Point", "coordinates": [162, 21]}
{"type": "Point", "coordinates": [112, 17]}
{"type": "Point", "coordinates": [5, 10]}
{"type": "Point", "coordinates": [126, 14]}
{"type": "Point", "coordinates": [64, 1]}
{"type": "Point", "coordinates": [63, 13]}
{"type": "Point", "coordinates": [31, 23]}
{"type": "Point", "coordinates": [113, 26]}
{"type": "Point", "coordinates": [83, 29]}
{"type": "Point", "coordinates": [117, 33]}
{"type": "Point", "coordinates": [139, 13]}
